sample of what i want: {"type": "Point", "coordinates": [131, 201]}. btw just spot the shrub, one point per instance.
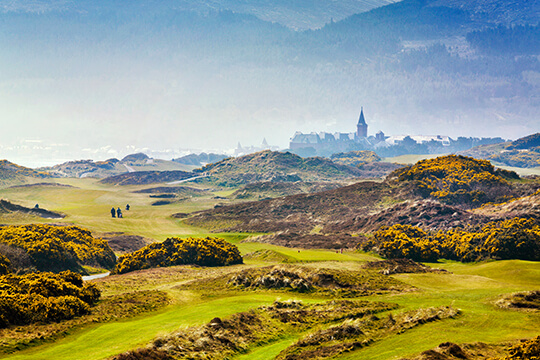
{"type": "Point", "coordinates": [457, 179]}
{"type": "Point", "coordinates": [174, 251]}
{"type": "Point", "coordinates": [55, 248]}
{"type": "Point", "coordinates": [44, 297]}
{"type": "Point", "coordinates": [516, 238]}
{"type": "Point", "coordinates": [525, 350]}
{"type": "Point", "coordinates": [4, 265]}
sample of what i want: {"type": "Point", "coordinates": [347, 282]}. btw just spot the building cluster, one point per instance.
{"type": "Point", "coordinates": [324, 143]}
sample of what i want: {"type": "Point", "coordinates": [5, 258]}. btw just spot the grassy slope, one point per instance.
{"type": "Point", "coordinates": [88, 204]}
{"type": "Point", "coordinates": [471, 287]}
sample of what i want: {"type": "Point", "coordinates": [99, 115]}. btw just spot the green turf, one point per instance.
{"type": "Point", "coordinates": [87, 203]}
{"type": "Point", "coordinates": [101, 341]}
{"type": "Point", "coordinates": [473, 288]}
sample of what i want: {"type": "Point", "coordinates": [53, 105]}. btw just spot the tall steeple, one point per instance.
{"type": "Point", "coordinates": [361, 127]}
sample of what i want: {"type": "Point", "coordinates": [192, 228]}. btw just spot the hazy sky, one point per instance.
{"type": "Point", "coordinates": [70, 93]}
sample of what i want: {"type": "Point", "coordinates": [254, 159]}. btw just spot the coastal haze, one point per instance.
{"type": "Point", "coordinates": [102, 79]}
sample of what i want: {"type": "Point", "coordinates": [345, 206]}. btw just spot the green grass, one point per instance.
{"type": "Point", "coordinates": [101, 341]}
{"type": "Point", "coordinates": [473, 287]}
{"type": "Point", "coordinates": [88, 204]}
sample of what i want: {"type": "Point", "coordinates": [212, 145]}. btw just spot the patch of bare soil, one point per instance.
{"type": "Point", "coordinates": [399, 266]}
{"type": "Point", "coordinates": [121, 243]}
{"type": "Point", "coordinates": [308, 241]}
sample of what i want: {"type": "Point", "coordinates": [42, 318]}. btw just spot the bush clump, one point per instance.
{"type": "Point", "coordinates": [59, 248]}
{"type": "Point", "coordinates": [174, 251]}
{"type": "Point", "coordinates": [44, 297]}
{"type": "Point", "coordinates": [516, 238]}
{"type": "Point", "coordinates": [525, 350]}
{"type": "Point", "coordinates": [456, 179]}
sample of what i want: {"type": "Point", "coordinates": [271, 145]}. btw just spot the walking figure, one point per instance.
{"type": "Point", "coordinates": [118, 213]}
{"type": "Point", "coordinates": [113, 212]}
{"type": "Point", "coordinates": [127, 207]}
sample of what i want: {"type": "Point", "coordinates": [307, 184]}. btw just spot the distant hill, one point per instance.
{"type": "Point", "coordinates": [111, 167]}
{"type": "Point", "coordinates": [135, 158]}
{"type": "Point", "coordinates": [86, 168]}
{"type": "Point", "coordinates": [294, 14]}
{"type": "Point", "coordinates": [521, 153]}
{"type": "Point", "coordinates": [452, 185]}
{"type": "Point", "coordinates": [507, 12]}
{"type": "Point", "coordinates": [266, 190]}
{"type": "Point", "coordinates": [276, 167]}
{"type": "Point", "coordinates": [412, 59]}
{"type": "Point", "coordinates": [13, 174]}
{"type": "Point", "coordinates": [147, 177]}
{"type": "Point", "coordinates": [200, 159]}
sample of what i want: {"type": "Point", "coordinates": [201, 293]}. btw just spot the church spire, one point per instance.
{"type": "Point", "coordinates": [362, 120]}
{"type": "Point", "coordinates": [361, 127]}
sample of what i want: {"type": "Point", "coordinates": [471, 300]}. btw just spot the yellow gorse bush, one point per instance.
{"type": "Point", "coordinates": [208, 251]}
{"type": "Point", "coordinates": [44, 297]}
{"type": "Point", "coordinates": [516, 238]}
{"type": "Point", "coordinates": [57, 248]}
{"type": "Point", "coordinates": [458, 179]}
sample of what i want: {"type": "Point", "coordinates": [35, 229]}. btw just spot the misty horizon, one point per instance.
{"type": "Point", "coordinates": [94, 82]}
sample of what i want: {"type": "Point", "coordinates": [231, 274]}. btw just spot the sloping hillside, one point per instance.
{"type": "Point", "coordinates": [147, 177]}
{"type": "Point", "coordinates": [294, 14]}
{"type": "Point", "coordinates": [111, 167]}
{"type": "Point", "coordinates": [12, 174]}
{"type": "Point", "coordinates": [8, 207]}
{"type": "Point", "coordinates": [87, 168]}
{"type": "Point", "coordinates": [456, 179]}
{"type": "Point", "coordinates": [300, 213]}
{"type": "Point", "coordinates": [522, 153]}
{"type": "Point", "coordinates": [363, 207]}
{"type": "Point", "coordinates": [275, 166]}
